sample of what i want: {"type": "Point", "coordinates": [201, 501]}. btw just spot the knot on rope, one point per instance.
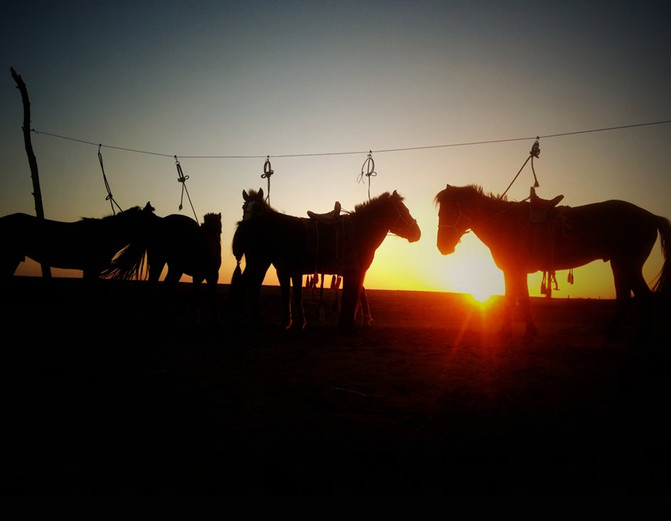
{"type": "Point", "coordinates": [181, 178]}
{"type": "Point", "coordinates": [367, 170]}
{"type": "Point", "coordinates": [109, 196]}
{"type": "Point", "coordinates": [535, 152]}
{"type": "Point", "coordinates": [267, 173]}
{"type": "Point", "coordinates": [535, 148]}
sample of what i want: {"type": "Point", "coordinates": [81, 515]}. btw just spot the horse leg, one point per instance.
{"type": "Point", "coordinates": [212, 283]}
{"type": "Point", "coordinates": [351, 291]}
{"type": "Point", "coordinates": [509, 306]}
{"type": "Point", "coordinates": [285, 295]}
{"type": "Point", "coordinates": [364, 308]}
{"type": "Point", "coordinates": [253, 277]}
{"type": "Point", "coordinates": [297, 297]}
{"type": "Point", "coordinates": [630, 279]}
{"type": "Point", "coordinates": [525, 305]}
{"type": "Point", "coordinates": [622, 298]}
{"type": "Point", "coordinates": [644, 298]}
{"type": "Point", "coordinates": [517, 292]}
{"type": "Point", "coordinates": [9, 265]}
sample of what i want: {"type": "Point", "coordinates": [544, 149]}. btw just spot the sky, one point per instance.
{"type": "Point", "coordinates": [440, 92]}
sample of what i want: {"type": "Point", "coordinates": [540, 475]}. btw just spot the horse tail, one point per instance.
{"type": "Point", "coordinates": [663, 282]}
{"type": "Point", "coordinates": [128, 264]}
{"type": "Point", "coordinates": [238, 251]}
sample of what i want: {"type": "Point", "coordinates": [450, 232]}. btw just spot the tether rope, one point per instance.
{"type": "Point", "coordinates": [181, 178]}
{"type": "Point", "coordinates": [535, 152]}
{"type": "Point", "coordinates": [267, 173]}
{"type": "Point", "coordinates": [109, 197]}
{"type": "Point", "coordinates": [359, 152]}
{"type": "Point", "coordinates": [369, 167]}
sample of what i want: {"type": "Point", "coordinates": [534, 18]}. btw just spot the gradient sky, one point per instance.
{"type": "Point", "coordinates": [290, 78]}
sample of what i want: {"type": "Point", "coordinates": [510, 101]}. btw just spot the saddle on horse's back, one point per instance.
{"type": "Point", "coordinates": [328, 217]}
{"type": "Point", "coordinates": [540, 207]}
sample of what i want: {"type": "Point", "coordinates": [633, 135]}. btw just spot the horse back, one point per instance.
{"type": "Point", "coordinates": [606, 230]}
{"type": "Point", "coordinates": [62, 244]}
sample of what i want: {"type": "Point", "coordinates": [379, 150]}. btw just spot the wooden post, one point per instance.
{"type": "Point", "coordinates": [32, 160]}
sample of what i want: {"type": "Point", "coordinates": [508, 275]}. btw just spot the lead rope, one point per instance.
{"type": "Point", "coordinates": [181, 178]}
{"type": "Point", "coordinates": [267, 173]}
{"type": "Point", "coordinates": [109, 197]}
{"type": "Point", "coordinates": [369, 167]}
{"type": "Point", "coordinates": [534, 153]}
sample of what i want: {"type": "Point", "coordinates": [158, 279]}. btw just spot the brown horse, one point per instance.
{"type": "Point", "coordinates": [524, 240]}
{"type": "Point", "coordinates": [255, 205]}
{"type": "Point", "coordinates": [298, 246]}
{"type": "Point", "coordinates": [181, 243]}
{"type": "Point", "coordinates": [87, 245]}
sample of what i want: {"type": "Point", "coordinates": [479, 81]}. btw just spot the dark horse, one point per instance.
{"type": "Point", "coordinates": [181, 243]}
{"type": "Point", "coordinates": [88, 244]}
{"type": "Point", "coordinates": [344, 245]}
{"type": "Point", "coordinates": [255, 205]}
{"type": "Point", "coordinates": [525, 238]}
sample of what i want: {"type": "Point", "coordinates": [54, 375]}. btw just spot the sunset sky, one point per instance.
{"type": "Point", "coordinates": [315, 86]}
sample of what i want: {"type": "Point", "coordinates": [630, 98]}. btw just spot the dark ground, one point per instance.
{"type": "Point", "coordinates": [114, 391]}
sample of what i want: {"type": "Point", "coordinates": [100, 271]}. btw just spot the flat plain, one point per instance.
{"type": "Point", "coordinates": [116, 389]}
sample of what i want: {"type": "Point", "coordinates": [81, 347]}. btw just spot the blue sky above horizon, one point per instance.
{"type": "Point", "coordinates": [290, 78]}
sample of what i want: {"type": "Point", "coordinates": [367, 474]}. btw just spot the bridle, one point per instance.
{"type": "Point", "coordinates": [454, 226]}
{"type": "Point", "coordinates": [408, 222]}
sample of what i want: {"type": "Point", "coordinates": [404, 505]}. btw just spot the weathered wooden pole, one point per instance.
{"type": "Point", "coordinates": [32, 160]}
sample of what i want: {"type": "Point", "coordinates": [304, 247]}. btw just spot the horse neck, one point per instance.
{"type": "Point", "coordinates": [369, 225]}
{"type": "Point", "coordinates": [487, 213]}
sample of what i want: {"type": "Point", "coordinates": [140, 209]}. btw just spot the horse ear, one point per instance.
{"type": "Point", "coordinates": [395, 194]}
{"type": "Point", "coordinates": [245, 197]}
{"type": "Point", "coordinates": [260, 193]}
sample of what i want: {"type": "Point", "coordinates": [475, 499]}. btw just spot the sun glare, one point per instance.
{"type": "Point", "coordinates": [471, 270]}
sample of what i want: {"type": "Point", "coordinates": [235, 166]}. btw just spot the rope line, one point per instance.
{"type": "Point", "coordinates": [109, 197]}
{"type": "Point", "coordinates": [358, 152]}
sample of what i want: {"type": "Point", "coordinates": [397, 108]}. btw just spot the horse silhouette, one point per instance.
{"type": "Point", "coordinates": [88, 244]}
{"type": "Point", "coordinates": [178, 242]}
{"type": "Point", "coordinates": [296, 246]}
{"type": "Point", "coordinates": [561, 238]}
{"type": "Point", "coordinates": [255, 205]}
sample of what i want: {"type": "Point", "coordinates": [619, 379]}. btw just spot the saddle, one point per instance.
{"type": "Point", "coordinates": [328, 217]}
{"type": "Point", "coordinates": [540, 207]}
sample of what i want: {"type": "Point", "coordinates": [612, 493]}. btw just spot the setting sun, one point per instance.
{"type": "Point", "coordinates": [471, 270]}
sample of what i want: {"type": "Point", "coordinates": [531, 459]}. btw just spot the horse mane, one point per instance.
{"type": "Point", "coordinates": [134, 209]}
{"type": "Point", "coordinates": [468, 190]}
{"type": "Point", "coordinates": [376, 202]}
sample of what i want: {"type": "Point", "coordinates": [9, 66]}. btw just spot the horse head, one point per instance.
{"type": "Point", "coordinates": [453, 222]}
{"type": "Point", "coordinates": [402, 223]}
{"type": "Point", "coordinates": [254, 204]}
{"type": "Point", "coordinates": [212, 224]}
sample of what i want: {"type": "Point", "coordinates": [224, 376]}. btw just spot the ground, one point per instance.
{"type": "Point", "coordinates": [113, 389]}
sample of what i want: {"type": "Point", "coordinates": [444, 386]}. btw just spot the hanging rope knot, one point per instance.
{"type": "Point", "coordinates": [369, 167]}
{"type": "Point", "coordinates": [535, 152]}
{"type": "Point", "coordinates": [267, 172]}
{"type": "Point", "coordinates": [367, 170]}
{"type": "Point", "coordinates": [267, 169]}
{"type": "Point", "coordinates": [181, 178]}
{"type": "Point", "coordinates": [536, 148]}
{"type": "Point", "coordinates": [109, 197]}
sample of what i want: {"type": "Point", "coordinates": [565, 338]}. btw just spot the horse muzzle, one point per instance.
{"type": "Point", "coordinates": [444, 246]}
